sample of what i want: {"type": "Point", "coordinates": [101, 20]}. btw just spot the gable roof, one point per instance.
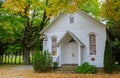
{"type": "Point", "coordinates": [50, 24]}
{"type": "Point", "coordinates": [80, 12]}
{"type": "Point", "coordinates": [73, 36]}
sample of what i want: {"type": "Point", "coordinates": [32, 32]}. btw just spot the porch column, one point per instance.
{"type": "Point", "coordinates": [79, 55]}
{"type": "Point", "coordinates": [59, 55]}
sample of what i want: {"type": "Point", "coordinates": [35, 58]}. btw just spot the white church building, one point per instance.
{"type": "Point", "coordinates": [75, 39]}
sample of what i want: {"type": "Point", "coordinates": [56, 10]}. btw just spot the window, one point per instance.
{"type": "Point", "coordinates": [54, 45]}
{"type": "Point", "coordinates": [92, 43]}
{"type": "Point", "coordinates": [71, 19]}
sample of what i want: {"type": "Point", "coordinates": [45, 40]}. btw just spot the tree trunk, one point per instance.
{"type": "Point", "coordinates": [26, 50]}
{"type": "Point", "coordinates": [1, 59]}
{"type": "Point", "coordinates": [26, 56]}
{"type": "Point", "coordinates": [29, 37]}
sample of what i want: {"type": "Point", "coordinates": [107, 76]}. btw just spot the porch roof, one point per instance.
{"type": "Point", "coordinates": [73, 36]}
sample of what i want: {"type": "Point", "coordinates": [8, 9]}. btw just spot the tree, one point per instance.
{"type": "Point", "coordinates": [33, 12]}
{"type": "Point", "coordinates": [0, 41]}
{"type": "Point", "coordinates": [55, 7]}
{"type": "Point", "coordinates": [91, 7]}
{"type": "Point", "coordinates": [110, 12]}
{"type": "Point", "coordinates": [117, 51]}
{"type": "Point", "coordinates": [108, 62]}
{"type": "Point", "coordinates": [9, 31]}
{"type": "Point", "coordinates": [10, 34]}
{"type": "Point", "coordinates": [36, 14]}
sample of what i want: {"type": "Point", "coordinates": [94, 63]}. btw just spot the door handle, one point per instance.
{"type": "Point", "coordinates": [73, 55]}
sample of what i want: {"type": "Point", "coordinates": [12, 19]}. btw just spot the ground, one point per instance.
{"type": "Point", "coordinates": [20, 71]}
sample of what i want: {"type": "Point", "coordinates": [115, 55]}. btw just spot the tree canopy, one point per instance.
{"type": "Point", "coordinates": [110, 12]}
{"type": "Point", "coordinates": [55, 7]}
{"type": "Point", "coordinates": [30, 18]}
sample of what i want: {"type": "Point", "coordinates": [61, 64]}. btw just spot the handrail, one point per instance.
{"type": "Point", "coordinates": [56, 63]}
{"type": "Point", "coordinates": [57, 60]}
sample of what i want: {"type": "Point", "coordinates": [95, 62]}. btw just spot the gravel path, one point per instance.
{"type": "Point", "coordinates": [14, 71]}
{"type": "Point", "coordinates": [23, 68]}
{"type": "Point", "coordinates": [16, 67]}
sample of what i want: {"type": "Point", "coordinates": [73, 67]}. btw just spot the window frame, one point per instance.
{"type": "Point", "coordinates": [71, 18]}
{"type": "Point", "coordinates": [54, 45]}
{"type": "Point", "coordinates": [92, 44]}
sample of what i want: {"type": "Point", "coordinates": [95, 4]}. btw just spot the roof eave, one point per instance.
{"type": "Point", "coordinates": [49, 25]}
{"type": "Point", "coordinates": [73, 36]}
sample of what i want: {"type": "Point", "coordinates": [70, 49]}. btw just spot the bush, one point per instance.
{"type": "Point", "coordinates": [55, 65]}
{"type": "Point", "coordinates": [108, 65]}
{"type": "Point", "coordinates": [42, 61]}
{"type": "Point", "coordinates": [86, 68]}
{"type": "Point", "coordinates": [116, 51]}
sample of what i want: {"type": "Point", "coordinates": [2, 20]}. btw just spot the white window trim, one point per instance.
{"type": "Point", "coordinates": [89, 42]}
{"type": "Point", "coordinates": [90, 33]}
{"type": "Point", "coordinates": [71, 18]}
{"type": "Point", "coordinates": [54, 36]}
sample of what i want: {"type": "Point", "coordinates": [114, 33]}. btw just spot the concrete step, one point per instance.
{"type": "Point", "coordinates": [66, 69]}
{"type": "Point", "coordinates": [65, 72]}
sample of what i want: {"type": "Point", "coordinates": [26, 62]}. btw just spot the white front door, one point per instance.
{"type": "Point", "coordinates": [72, 53]}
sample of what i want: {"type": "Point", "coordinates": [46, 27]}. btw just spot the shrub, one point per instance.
{"type": "Point", "coordinates": [55, 65]}
{"type": "Point", "coordinates": [116, 51]}
{"type": "Point", "coordinates": [86, 68]}
{"type": "Point", "coordinates": [108, 65]}
{"type": "Point", "coordinates": [42, 61]}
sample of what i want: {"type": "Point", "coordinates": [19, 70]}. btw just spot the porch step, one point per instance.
{"type": "Point", "coordinates": [66, 69]}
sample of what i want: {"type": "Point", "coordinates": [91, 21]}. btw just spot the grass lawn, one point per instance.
{"type": "Point", "coordinates": [19, 71]}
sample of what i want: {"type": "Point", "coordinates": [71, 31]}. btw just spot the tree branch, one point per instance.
{"type": "Point", "coordinates": [33, 16]}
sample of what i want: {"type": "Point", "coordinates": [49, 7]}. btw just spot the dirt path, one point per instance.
{"type": "Point", "coordinates": [20, 71]}
{"type": "Point", "coordinates": [14, 71]}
